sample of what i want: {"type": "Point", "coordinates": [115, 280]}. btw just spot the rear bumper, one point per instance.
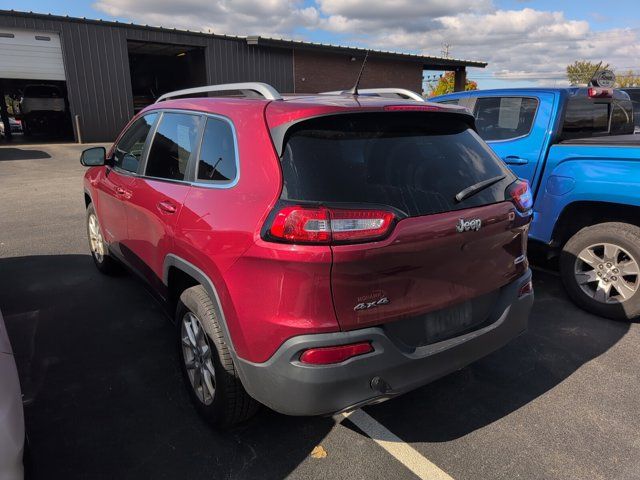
{"type": "Point", "coordinates": [287, 386]}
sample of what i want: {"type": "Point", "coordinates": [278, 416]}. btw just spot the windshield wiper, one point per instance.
{"type": "Point", "coordinates": [477, 187]}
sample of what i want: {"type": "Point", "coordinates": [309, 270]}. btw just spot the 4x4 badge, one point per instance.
{"type": "Point", "coordinates": [375, 303]}
{"type": "Point", "coordinates": [466, 225]}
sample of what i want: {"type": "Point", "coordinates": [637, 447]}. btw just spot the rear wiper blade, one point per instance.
{"type": "Point", "coordinates": [477, 187]}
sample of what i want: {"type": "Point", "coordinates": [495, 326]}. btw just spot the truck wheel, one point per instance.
{"type": "Point", "coordinates": [207, 366]}
{"type": "Point", "coordinates": [599, 268]}
{"type": "Point", "coordinates": [99, 251]}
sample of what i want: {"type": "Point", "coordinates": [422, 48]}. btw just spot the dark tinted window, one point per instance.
{"type": "Point", "coordinates": [416, 162]}
{"type": "Point", "coordinates": [502, 118]}
{"type": "Point", "coordinates": [586, 117]}
{"type": "Point", "coordinates": [129, 149]}
{"type": "Point", "coordinates": [217, 160]}
{"type": "Point", "coordinates": [175, 139]}
{"type": "Point", "coordinates": [42, 91]}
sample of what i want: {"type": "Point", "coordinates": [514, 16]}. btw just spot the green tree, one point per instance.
{"type": "Point", "coordinates": [447, 82]}
{"type": "Point", "coordinates": [582, 71]}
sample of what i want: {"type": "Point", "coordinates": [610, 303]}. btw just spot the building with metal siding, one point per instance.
{"type": "Point", "coordinates": [99, 78]}
{"type": "Point", "coordinates": [97, 65]}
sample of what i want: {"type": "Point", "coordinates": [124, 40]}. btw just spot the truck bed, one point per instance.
{"type": "Point", "coordinates": [630, 140]}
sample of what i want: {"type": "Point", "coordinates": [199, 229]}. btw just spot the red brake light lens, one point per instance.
{"type": "Point", "coordinates": [409, 108]}
{"type": "Point", "coordinates": [300, 224]}
{"type": "Point", "coordinates": [337, 354]}
{"type": "Point", "coordinates": [320, 225]}
{"type": "Point", "coordinates": [521, 195]}
{"type": "Point", "coordinates": [597, 92]}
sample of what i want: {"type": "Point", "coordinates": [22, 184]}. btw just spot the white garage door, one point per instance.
{"type": "Point", "coordinates": [30, 55]}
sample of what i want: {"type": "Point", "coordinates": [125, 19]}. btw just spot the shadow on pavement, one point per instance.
{"type": "Point", "coordinates": [560, 339]}
{"type": "Point", "coordinates": [8, 153]}
{"type": "Point", "coordinates": [99, 370]}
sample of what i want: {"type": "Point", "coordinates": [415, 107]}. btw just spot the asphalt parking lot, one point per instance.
{"type": "Point", "coordinates": [104, 397]}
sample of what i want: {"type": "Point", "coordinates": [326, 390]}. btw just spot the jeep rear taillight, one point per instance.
{"type": "Point", "coordinates": [521, 195]}
{"type": "Point", "coordinates": [324, 226]}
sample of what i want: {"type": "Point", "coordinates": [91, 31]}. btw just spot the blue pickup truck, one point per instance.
{"type": "Point", "coordinates": [576, 148]}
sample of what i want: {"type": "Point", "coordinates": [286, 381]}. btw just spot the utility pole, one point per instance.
{"type": "Point", "coordinates": [445, 50]}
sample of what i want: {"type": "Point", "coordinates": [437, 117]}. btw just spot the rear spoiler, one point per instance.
{"type": "Point", "coordinates": [279, 133]}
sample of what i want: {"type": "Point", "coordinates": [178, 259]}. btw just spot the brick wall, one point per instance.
{"type": "Point", "coordinates": [319, 72]}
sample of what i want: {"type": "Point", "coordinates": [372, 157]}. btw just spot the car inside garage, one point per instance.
{"type": "Point", "coordinates": [33, 90]}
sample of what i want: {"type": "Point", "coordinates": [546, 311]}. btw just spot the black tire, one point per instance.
{"type": "Point", "coordinates": [105, 263]}
{"type": "Point", "coordinates": [230, 404]}
{"type": "Point", "coordinates": [622, 235]}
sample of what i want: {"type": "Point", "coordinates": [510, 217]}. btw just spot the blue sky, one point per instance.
{"type": "Point", "coordinates": [526, 42]}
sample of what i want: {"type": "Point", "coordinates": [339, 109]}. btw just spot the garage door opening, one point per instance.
{"type": "Point", "coordinates": [158, 68]}
{"type": "Point", "coordinates": [33, 92]}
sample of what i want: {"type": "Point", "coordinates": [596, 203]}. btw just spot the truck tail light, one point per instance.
{"type": "Point", "coordinates": [597, 92]}
{"type": "Point", "coordinates": [337, 354]}
{"type": "Point", "coordinates": [324, 226]}
{"type": "Point", "coordinates": [521, 195]}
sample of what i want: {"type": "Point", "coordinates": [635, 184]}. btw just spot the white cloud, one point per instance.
{"type": "Point", "coordinates": [519, 44]}
{"type": "Point", "coordinates": [233, 17]}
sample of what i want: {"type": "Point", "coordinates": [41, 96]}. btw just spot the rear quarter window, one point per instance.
{"type": "Point", "coordinates": [415, 162]}
{"type": "Point", "coordinates": [217, 162]}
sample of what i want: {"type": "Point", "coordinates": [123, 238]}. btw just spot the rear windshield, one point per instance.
{"type": "Point", "coordinates": [586, 117]}
{"type": "Point", "coordinates": [415, 162]}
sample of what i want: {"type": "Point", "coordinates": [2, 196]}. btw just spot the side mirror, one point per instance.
{"type": "Point", "coordinates": [93, 157]}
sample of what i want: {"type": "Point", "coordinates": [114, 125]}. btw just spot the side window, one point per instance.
{"type": "Point", "coordinates": [128, 151]}
{"type": "Point", "coordinates": [504, 118]}
{"type": "Point", "coordinates": [217, 162]}
{"type": "Point", "coordinates": [176, 137]}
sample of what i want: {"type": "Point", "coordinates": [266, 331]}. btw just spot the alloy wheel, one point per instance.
{"type": "Point", "coordinates": [197, 357]}
{"type": "Point", "coordinates": [607, 273]}
{"type": "Point", "coordinates": [96, 242]}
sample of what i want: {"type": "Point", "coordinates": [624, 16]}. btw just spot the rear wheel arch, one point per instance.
{"type": "Point", "coordinates": [179, 275]}
{"type": "Point", "coordinates": [578, 215]}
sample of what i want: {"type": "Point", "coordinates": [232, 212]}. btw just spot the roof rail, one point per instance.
{"type": "Point", "coordinates": [247, 88]}
{"type": "Point", "coordinates": [401, 92]}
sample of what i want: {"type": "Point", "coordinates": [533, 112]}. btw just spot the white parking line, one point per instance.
{"type": "Point", "coordinates": [393, 444]}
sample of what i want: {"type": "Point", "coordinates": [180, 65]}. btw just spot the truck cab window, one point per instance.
{"type": "Point", "coordinates": [504, 118]}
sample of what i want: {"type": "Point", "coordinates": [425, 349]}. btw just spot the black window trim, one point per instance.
{"type": "Point", "coordinates": [190, 174]}
{"type": "Point", "coordinates": [145, 148]}
{"type": "Point", "coordinates": [519, 137]}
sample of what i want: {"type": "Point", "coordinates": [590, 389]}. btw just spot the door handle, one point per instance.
{"type": "Point", "coordinates": [120, 191]}
{"type": "Point", "coordinates": [515, 160]}
{"type": "Point", "coordinates": [167, 207]}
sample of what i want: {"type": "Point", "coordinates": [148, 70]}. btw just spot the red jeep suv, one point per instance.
{"type": "Point", "coordinates": [319, 252]}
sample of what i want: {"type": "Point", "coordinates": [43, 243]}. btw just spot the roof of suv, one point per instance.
{"type": "Point", "coordinates": [295, 107]}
